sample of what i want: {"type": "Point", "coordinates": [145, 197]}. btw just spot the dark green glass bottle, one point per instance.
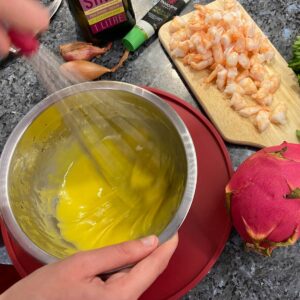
{"type": "Point", "coordinates": [103, 20]}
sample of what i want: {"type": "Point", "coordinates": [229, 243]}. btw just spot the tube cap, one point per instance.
{"type": "Point", "coordinates": [134, 39]}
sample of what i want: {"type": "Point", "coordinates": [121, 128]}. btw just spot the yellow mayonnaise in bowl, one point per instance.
{"type": "Point", "coordinates": [94, 165]}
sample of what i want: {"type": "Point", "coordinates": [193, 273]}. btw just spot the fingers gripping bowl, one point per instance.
{"type": "Point", "coordinates": [55, 202]}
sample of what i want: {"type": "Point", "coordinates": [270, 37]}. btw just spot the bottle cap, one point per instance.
{"type": "Point", "coordinates": [134, 39]}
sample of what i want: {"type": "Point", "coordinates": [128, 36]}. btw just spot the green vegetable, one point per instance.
{"type": "Point", "coordinates": [295, 62]}
{"type": "Point", "coordinates": [298, 134]}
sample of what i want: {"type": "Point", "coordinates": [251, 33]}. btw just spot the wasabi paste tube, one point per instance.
{"type": "Point", "coordinates": [158, 15]}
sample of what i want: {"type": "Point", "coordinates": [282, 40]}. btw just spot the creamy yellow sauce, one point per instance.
{"type": "Point", "coordinates": [110, 204]}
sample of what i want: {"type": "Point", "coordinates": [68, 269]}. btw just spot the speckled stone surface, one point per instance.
{"type": "Point", "coordinates": [237, 274]}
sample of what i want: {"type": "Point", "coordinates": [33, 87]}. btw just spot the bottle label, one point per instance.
{"type": "Point", "coordinates": [103, 14]}
{"type": "Point", "coordinates": [163, 11]}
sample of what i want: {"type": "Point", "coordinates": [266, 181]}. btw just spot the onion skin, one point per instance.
{"type": "Point", "coordinates": [81, 51]}
{"type": "Point", "coordinates": [83, 70]}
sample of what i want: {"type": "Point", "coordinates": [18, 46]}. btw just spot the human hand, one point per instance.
{"type": "Point", "coordinates": [76, 277]}
{"type": "Point", "coordinates": [22, 15]}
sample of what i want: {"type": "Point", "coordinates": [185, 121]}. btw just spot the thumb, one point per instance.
{"type": "Point", "coordinates": [144, 273]}
{"type": "Point", "coordinates": [24, 16]}
{"type": "Point", "coordinates": [95, 262]}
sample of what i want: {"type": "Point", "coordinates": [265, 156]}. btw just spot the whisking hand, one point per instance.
{"type": "Point", "coordinates": [28, 17]}
{"type": "Point", "coordinates": [76, 277]}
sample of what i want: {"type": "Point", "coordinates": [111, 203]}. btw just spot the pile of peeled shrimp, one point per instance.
{"type": "Point", "coordinates": [227, 42]}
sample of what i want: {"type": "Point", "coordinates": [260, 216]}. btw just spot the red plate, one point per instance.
{"type": "Point", "coordinates": [205, 231]}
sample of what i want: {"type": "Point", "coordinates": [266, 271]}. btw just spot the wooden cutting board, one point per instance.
{"type": "Point", "coordinates": [231, 125]}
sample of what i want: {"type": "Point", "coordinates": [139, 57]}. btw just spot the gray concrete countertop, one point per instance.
{"type": "Point", "coordinates": [237, 274]}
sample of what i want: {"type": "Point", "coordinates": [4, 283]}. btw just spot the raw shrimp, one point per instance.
{"type": "Point", "coordinates": [180, 35]}
{"type": "Point", "coordinates": [195, 57]}
{"type": "Point", "coordinates": [196, 38]}
{"type": "Point", "coordinates": [218, 53]}
{"type": "Point", "coordinates": [237, 102]}
{"type": "Point", "coordinates": [221, 79]}
{"type": "Point", "coordinates": [201, 65]}
{"type": "Point", "coordinates": [177, 24]}
{"type": "Point", "coordinates": [279, 114]}
{"type": "Point", "coordinates": [258, 72]}
{"type": "Point", "coordinates": [206, 42]}
{"type": "Point", "coordinates": [202, 9]}
{"type": "Point", "coordinates": [229, 4]}
{"type": "Point", "coordinates": [214, 73]}
{"type": "Point", "coordinates": [230, 19]}
{"type": "Point", "coordinates": [257, 58]}
{"type": "Point", "coordinates": [180, 49]}
{"type": "Point", "coordinates": [260, 95]}
{"type": "Point", "coordinates": [197, 26]}
{"type": "Point", "coordinates": [232, 88]}
{"type": "Point", "coordinates": [265, 101]}
{"type": "Point", "coordinates": [268, 86]}
{"type": "Point", "coordinates": [262, 120]}
{"type": "Point", "coordinates": [249, 111]}
{"type": "Point", "coordinates": [234, 33]}
{"type": "Point", "coordinates": [240, 45]}
{"type": "Point", "coordinates": [232, 59]}
{"type": "Point", "coordinates": [228, 43]}
{"type": "Point", "coordinates": [248, 85]}
{"type": "Point", "coordinates": [214, 18]}
{"type": "Point", "coordinates": [215, 34]}
{"type": "Point", "coordinates": [197, 41]}
{"type": "Point", "coordinates": [249, 30]}
{"type": "Point", "coordinates": [242, 75]}
{"type": "Point", "coordinates": [267, 51]}
{"type": "Point", "coordinates": [275, 83]}
{"type": "Point", "coordinates": [269, 56]}
{"type": "Point", "coordinates": [252, 44]}
{"type": "Point", "coordinates": [232, 74]}
{"type": "Point", "coordinates": [226, 40]}
{"type": "Point", "coordinates": [257, 83]}
{"type": "Point", "coordinates": [244, 61]}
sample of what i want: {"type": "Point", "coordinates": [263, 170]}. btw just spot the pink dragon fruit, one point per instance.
{"type": "Point", "coordinates": [263, 198]}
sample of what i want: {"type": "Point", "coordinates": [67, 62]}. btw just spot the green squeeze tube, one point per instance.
{"type": "Point", "coordinates": [158, 15]}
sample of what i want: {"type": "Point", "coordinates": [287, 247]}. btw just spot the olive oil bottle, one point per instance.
{"type": "Point", "coordinates": [103, 20]}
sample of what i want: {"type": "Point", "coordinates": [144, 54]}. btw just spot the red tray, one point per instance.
{"type": "Point", "coordinates": [205, 231]}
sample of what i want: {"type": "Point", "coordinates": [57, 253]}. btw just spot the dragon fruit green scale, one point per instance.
{"type": "Point", "coordinates": [263, 198]}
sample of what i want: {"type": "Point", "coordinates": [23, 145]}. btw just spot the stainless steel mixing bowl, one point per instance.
{"type": "Point", "coordinates": [25, 152]}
